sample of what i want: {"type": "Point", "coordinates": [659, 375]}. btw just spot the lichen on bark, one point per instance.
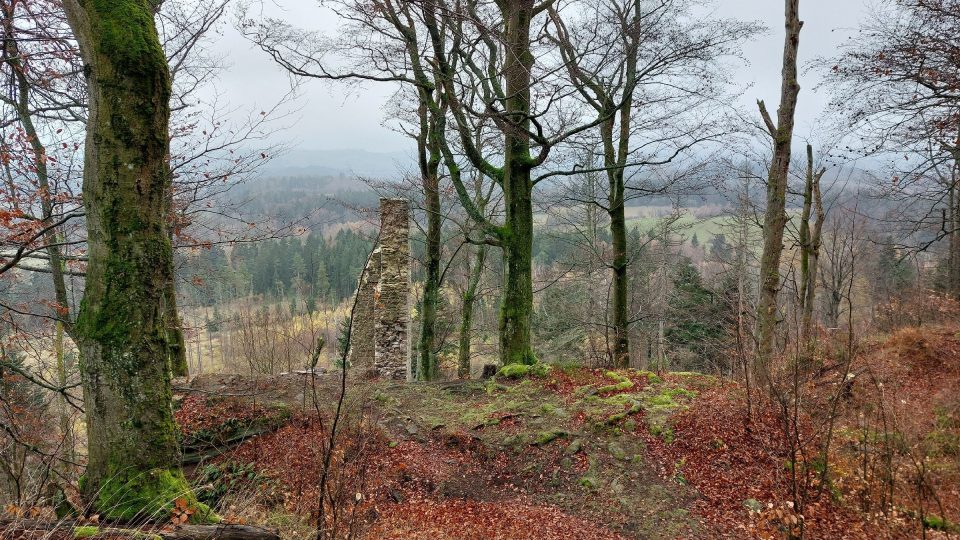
{"type": "Point", "coordinates": [125, 331]}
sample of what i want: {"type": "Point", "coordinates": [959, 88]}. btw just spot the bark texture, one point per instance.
{"type": "Point", "coordinates": [517, 236]}
{"type": "Point", "coordinates": [126, 337]}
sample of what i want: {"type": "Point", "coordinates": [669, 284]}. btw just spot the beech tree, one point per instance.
{"type": "Point", "coordinates": [126, 337]}
{"type": "Point", "coordinates": [490, 81]}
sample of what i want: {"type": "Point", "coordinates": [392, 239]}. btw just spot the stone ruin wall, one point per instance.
{"type": "Point", "coordinates": [380, 338]}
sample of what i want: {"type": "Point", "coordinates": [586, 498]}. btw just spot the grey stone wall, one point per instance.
{"type": "Point", "coordinates": [361, 352]}
{"type": "Point", "coordinates": [380, 340]}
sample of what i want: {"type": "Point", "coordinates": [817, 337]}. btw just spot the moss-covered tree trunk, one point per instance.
{"type": "Point", "coordinates": [124, 332]}
{"type": "Point", "coordinates": [475, 272]}
{"type": "Point", "coordinates": [430, 154]}
{"type": "Point", "coordinates": [517, 236]}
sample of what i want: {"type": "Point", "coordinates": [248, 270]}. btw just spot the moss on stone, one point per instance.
{"type": "Point", "coordinates": [622, 383]}
{"type": "Point", "coordinates": [547, 437]}
{"type": "Point", "coordinates": [519, 371]}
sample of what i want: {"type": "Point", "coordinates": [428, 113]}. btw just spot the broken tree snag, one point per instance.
{"type": "Point", "coordinates": [392, 301]}
{"type": "Point", "coordinates": [380, 337]}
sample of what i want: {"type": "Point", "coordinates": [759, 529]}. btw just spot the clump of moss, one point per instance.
{"type": "Point", "coordinates": [652, 377]}
{"type": "Point", "coordinates": [85, 531]}
{"type": "Point", "coordinates": [660, 406]}
{"type": "Point", "coordinates": [666, 398]}
{"type": "Point", "coordinates": [635, 407]}
{"type": "Point", "coordinates": [519, 371]}
{"type": "Point", "coordinates": [547, 437]}
{"type": "Point", "coordinates": [938, 523]}
{"type": "Point", "coordinates": [149, 495]}
{"type": "Point", "coordinates": [589, 482]}
{"type": "Point", "coordinates": [664, 431]}
{"type": "Point", "coordinates": [622, 383]}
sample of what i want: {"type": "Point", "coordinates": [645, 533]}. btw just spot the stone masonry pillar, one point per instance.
{"type": "Point", "coordinates": [380, 339]}
{"type": "Point", "coordinates": [392, 300]}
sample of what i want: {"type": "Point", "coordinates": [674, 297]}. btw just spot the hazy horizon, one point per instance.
{"type": "Point", "coordinates": [332, 117]}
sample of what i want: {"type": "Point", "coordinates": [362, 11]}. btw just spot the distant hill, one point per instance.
{"type": "Point", "coordinates": [347, 163]}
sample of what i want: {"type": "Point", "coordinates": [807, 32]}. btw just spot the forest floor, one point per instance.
{"type": "Point", "coordinates": [568, 453]}
{"type": "Point", "coordinates": [577, 453]}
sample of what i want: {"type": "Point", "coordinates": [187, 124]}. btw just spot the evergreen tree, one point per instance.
{"type": "Point", "coordinates": [695, 316]}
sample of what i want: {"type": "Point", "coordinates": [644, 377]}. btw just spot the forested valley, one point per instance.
{"type": "Point", "coordinates": [558, 269]}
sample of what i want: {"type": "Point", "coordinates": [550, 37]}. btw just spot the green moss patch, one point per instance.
{"type": "Point", "coordinates": [519, 371]}
{"type": "Point", "coordinates": [621, 383]}
{"type": "Point", "coordinates": [938, 523]}
{"type": "Point", "coordinates": [151, 495]}
{"type": "Point", "coordinates": [85, 531]}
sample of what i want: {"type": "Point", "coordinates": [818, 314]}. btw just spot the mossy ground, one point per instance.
{"type": "Point", "coordinates": [561, 437]}
{"type": "Point", "coordinates": [571, 438]}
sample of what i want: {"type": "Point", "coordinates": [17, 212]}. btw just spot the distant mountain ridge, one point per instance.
{"type": "Point", "coordinates": [341, 162]}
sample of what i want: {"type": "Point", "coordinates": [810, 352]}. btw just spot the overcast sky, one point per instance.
{"type": "Point", "coordinates": [331, 118]}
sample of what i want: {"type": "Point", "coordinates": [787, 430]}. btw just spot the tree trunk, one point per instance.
{"type": "Point", "coordinates": [615, 159]}
{"type": "Point", "coordinates": [810, 251]}
{"type": "Point", "coordinates": [178, 347]}
{"type": "Point", "coordinates": [775, 217]}
{"type": "Point", "coordinates": [953, 264]}
{"type": "Point", "coordinates": [517, 306]}
{"type": "Point", "coordinates": [429, 167]}
{"type": "Point", "coordinates": [124, 329]}
{"type": "Point", "coordinates": [182, 532]}
{"type": "Point", "coordinates": [466, 323]}
{"type": "Point", "coordinates": [517, 303]}
{"type": "Point", "coordinates": [621, 285]}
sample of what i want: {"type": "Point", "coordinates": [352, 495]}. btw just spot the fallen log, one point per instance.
{"type": "Point", "coordinates": [223, 531]}
{"type": "Point", "coordinates": [219, 532]}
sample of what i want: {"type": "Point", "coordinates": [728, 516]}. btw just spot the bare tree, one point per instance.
{"type": "Point", "coordinates": [896, 94]}
{"type": "Point", "coordinates": [643, 67]}
{"type": "Point", "coordinates": [775, 218]}
{"type": "Point", "coordinates": [810, 242]}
